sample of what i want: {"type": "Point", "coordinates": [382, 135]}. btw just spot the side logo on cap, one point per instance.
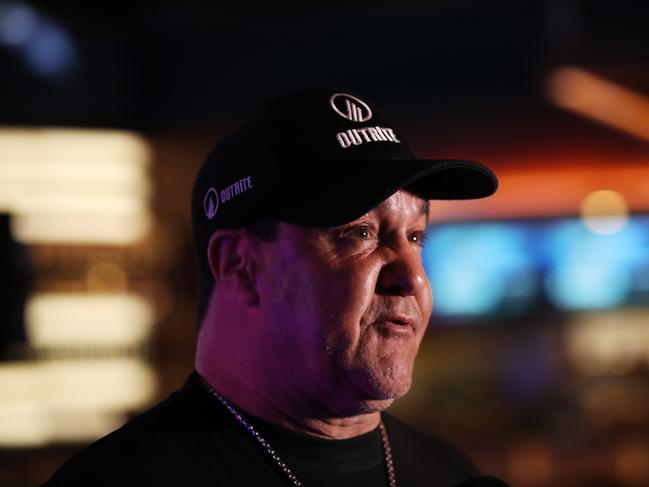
{"type": "Point", "coordinates": [211, 203]}
{"type": "Point", "coordinates": [350, 107]}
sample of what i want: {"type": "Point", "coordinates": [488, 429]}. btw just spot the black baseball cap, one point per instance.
{"type": "Point", "coordinates": [319, 158]}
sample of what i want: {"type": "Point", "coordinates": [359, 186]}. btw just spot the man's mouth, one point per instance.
{"type": "Point", "coordinates": [397, 325]}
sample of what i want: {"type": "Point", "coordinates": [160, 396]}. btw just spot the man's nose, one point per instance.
{"type": "Point", "coordinates": [403, 274]}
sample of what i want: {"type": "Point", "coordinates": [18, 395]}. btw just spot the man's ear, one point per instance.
{"type": "Point", "coordinates": [231, 256]}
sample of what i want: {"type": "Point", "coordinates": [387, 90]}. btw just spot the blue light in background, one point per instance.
{"type": "Point", "coordinates": [50, 51]}
{"type": "Point", "coordinates": [471, 266]}
{"type": "Point", "coordinates": [43, 44]}
{"type": "Point", "coordinates": [17, 24]}
{"type": "Point", "coordinates": [479, 269]}
{"type": "Point", "coordinates": [593, 271]}
{"type": "Point", "coordinates": [588, 286]}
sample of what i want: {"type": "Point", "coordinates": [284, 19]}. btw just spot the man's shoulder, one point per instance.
{"type": "Point", "coordinates": [425, 456]}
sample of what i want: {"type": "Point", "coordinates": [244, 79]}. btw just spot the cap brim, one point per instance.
{"type": "Point", "coordinates": [345, 194]}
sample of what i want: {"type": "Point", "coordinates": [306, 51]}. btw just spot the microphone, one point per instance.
{"type": "Point", "coordinates": [483, 481]}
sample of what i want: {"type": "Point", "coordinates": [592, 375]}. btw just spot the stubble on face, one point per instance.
{"type": "Point", "coordinates": [333, 323]}
{"type": "Point", "coordinates": [377, 362]}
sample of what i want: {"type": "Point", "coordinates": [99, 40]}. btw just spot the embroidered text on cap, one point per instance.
{"type": "Point", "coordinates": [350, 107]}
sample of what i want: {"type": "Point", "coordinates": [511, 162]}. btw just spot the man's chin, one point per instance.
{"type": "Point", "coordinates": [375, 386]}
{"type": "Point", "coordinates": [374, 405]}
{"type": "Point", "coordinates": [391, 393]}
{"type": "Point", "coordinates": [379, 395]}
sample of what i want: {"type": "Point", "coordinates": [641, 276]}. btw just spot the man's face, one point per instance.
{"type": "Point", "coordinates": [344, 309]}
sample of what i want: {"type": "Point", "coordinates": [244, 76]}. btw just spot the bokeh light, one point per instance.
{"type": "Point", "coordinates": [604, 212]}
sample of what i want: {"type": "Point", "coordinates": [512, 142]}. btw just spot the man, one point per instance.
{"type": "Point", "coordinates": [308, 222]}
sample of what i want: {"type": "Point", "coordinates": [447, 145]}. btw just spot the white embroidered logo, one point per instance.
{"type": "Point", "coordinates": [211, 203]}
{"type": "Point", "coordinates": [350, 107]}
{"type": "Point", "coordinates": [367, 134]}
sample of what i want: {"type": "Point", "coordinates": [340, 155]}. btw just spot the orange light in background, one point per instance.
{"type": "Point", "coordinates": [557, 190]}
{"type": "Point", "coordinates": [632, 462]}
{"type": "Point", "coordinates": [530, 463]}
{"type": "Point", "coordinates": [604, 212]}
{"type": "Point", "coordinates": [548, 182]}
{"type": "Point", "coordinates": [605, 343]}
{"type": "Point", "coordinates": [106, 277]}
{"type": "Point", "coordinates": [594, 97]}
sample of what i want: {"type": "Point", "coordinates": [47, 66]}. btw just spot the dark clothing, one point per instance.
{"type": "Point", "coordinates": [190, 439]}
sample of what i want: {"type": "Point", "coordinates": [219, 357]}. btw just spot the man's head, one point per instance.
{"type": "Point", "coordinates": [318, 157]}
{"type": "Point", "coordinates": [309, 219]}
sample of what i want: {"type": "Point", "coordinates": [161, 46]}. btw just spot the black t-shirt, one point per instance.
{"type": "Point", "coordinates": [190, 439]}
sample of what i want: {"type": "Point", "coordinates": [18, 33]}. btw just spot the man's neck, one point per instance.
{"type": "Point", "coordinates": [333, 428]}
{"type": "Point", "coordinates": [286, 413]}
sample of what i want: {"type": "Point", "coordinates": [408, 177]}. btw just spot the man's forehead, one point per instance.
{"type": "Point", "coordinates": [422, 204]}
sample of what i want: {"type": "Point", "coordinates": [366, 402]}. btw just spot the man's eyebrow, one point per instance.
{"type": "Point", "coordinates": [425, 208]}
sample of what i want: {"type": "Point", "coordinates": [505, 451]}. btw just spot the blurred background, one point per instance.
{"type": "Point", "coordinates": [537, 357]}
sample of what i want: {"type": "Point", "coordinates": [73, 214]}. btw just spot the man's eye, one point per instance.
{"type": "Point", "coordinates": [363, 232]}
{"type": "Point", "coordinates": [419, 238]}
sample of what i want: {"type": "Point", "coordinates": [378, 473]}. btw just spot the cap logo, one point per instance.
{"type": "Point", "coordinates": [211, 203]}
{"type": "Point", "coordinates": [211, 199]}
{"type": "Point", "coordinates": [351, 108]}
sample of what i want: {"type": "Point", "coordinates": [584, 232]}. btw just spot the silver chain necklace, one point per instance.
{"type": "Point", "coordinates": [387, 450]}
